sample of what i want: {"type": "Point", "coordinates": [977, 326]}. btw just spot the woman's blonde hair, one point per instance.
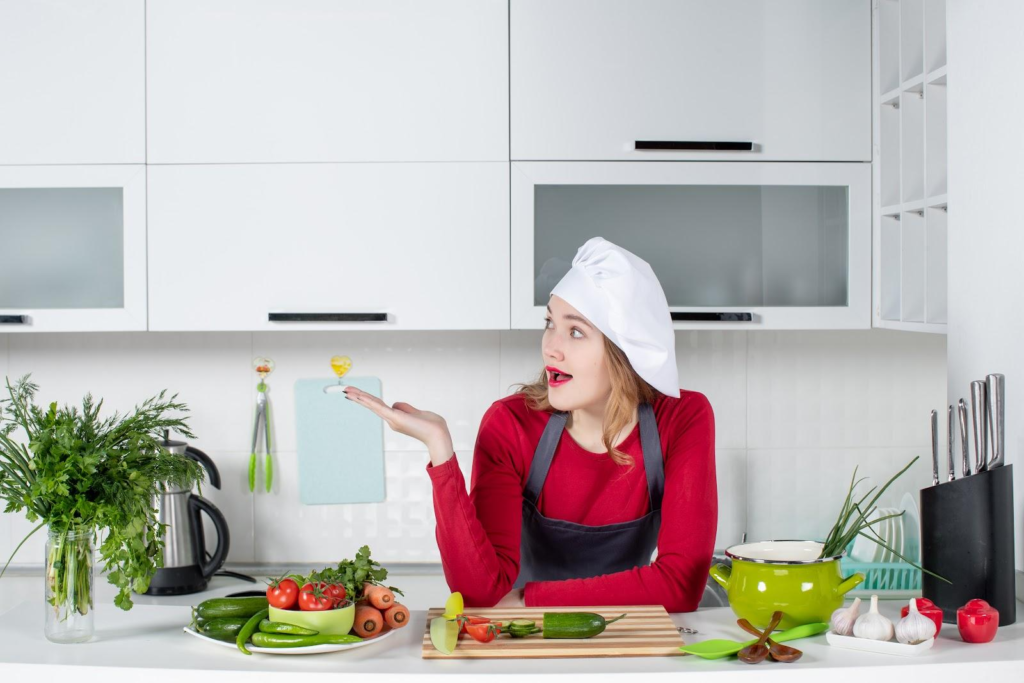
{"type": "Point", "coordinates": [629, 390]}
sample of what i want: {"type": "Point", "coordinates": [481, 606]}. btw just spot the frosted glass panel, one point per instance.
{"type": "Point", "coordinates": [710, 245]}
{"type": "Point", "coordinates": [62, 247]}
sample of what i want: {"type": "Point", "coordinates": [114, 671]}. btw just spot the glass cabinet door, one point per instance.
{"type": "Point", "coordinates": [750, 244]}
{"type": "Point", "coordinates": [73, 245]}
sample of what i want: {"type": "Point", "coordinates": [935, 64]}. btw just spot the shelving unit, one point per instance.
{"type": "Point", "coordinates": [910, 172]}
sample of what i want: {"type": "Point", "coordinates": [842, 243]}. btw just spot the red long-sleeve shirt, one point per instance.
{"type": "Point", "coordinates": [478, 533]}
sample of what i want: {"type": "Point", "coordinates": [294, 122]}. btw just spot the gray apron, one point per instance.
{"type": "Point", "coordinates": [554, 549]}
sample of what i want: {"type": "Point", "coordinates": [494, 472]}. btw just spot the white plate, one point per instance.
{"type": "Point", "coordinates": [889, 535]}
{"type": "Point", "coordinates": [312, 650]}
{"type": "Point", "coordinates": [897, 543]}
{"type": "Point", "coordinates": [911, 529]}
{"type": "Point", "coordinates": [890, 647]}
{"type": "Point", "coordinates": [865, 549]}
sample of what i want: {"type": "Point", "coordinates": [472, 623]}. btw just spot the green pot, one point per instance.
{"type": "Point", "coordinates": [785, 576]}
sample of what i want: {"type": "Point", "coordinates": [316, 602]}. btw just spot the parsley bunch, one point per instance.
{"type": "Point", "coordinates": [79, 473]}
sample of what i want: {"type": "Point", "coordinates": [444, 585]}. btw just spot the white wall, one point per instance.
{"type": "Point", "coordinates": [795, 412]}
{"type": "Point", "coordinates": [986, 237]}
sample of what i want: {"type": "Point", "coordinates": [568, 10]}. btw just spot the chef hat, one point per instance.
{"type": "Point", "coordinates": [619, 292]}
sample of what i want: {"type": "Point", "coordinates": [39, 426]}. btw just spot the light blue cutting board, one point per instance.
{"type": "Point", "coordinates": [340, 443]}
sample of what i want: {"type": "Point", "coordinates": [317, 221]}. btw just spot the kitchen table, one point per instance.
{"type": "Point", "coordinates": [148, 644]}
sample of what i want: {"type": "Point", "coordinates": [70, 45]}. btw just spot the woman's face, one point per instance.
{"type": "Point", "coordinates": [573, 346]}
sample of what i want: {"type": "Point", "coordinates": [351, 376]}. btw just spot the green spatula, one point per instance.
{"type": "Point", "coordinates": [719, 648]}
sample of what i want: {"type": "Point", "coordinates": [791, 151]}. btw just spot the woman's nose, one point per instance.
{"type": "Point", "coordinates": [552, 351]}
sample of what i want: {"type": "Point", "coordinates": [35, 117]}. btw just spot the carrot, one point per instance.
{"type": "Point", "coordinates": [368, 621]}
{"type": "Point", "coordinates": [397, 615]}
{"type": "Point", "coordinates": [380, 597]}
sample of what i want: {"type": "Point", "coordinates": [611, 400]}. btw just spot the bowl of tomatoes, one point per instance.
{"type": "Point", "coordinates": [319, 606]}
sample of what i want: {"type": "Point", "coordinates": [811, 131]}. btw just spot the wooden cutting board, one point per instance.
{"type": "Point", "coordinates": [646, 631]}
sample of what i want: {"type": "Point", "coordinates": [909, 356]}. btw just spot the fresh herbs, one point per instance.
{"type": "Point", "coordinates": [853, 521]}
{"type": "Point", "coordinates": [352, 574]}
{"type": "Point", "coordinates": [79, 473]}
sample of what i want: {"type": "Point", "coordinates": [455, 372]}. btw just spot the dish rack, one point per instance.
{"type": "Point", "coordinates": [891, 579]}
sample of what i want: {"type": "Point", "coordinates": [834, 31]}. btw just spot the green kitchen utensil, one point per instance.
{"type": "Point", "coordinates": [720, 648]}
{"type": "Point", "coordinates": [263, 367]}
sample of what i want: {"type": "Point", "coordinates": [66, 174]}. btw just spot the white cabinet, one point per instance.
{"type": "Point", "coordinates": [74, 248]}
{"type": "Point", "coordinates": [592, 78]}
{"type": "Point", "coordinates": [736, 246]}
{"type": "Point", "coordinates": [233, 81]}
{"type": "Point", "coordinates": [72, 82]}
{"type": "Point", "coordinates": [329, 246]}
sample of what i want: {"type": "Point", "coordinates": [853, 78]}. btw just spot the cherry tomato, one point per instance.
{"type": "Point", "coordinates": [315, 599]}
{"type": "Point", "coordinates": [335, 591]}
{"type": "Point", "coordinates": [483, 633]}
{"type": "Point", "coordinates": [469, 619]}
{"type": "Point", "coordinates": [283, 593]}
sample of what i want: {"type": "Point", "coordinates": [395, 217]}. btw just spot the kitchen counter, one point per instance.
{"type": "Point", "coordinates": [148, 643]}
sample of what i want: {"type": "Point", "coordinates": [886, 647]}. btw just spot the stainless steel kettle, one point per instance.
{"type": "Point", "coordinates": [185, 566]}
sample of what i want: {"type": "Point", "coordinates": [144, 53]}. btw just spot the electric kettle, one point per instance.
{"type": "Point", "coordinates": [185, 567]}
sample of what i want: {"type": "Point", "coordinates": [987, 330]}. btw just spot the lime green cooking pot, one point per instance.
{"type": "Point", "coordinates": [783, 575]}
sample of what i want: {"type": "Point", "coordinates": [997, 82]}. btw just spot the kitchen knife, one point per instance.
{"type": "Point", "coordinates": [996, 385]}
{"type": "Point", "coordinates": [965, 451]}
{"type": "Point", "coordinates": [950, 456]}
{"type": "Point", "coordinates": [935, 447]}
{"type": "Point", "coordinates": [979, 417]}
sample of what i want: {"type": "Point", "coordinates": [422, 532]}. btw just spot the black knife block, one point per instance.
{"type": "Point", "coordinates": [967, 537]}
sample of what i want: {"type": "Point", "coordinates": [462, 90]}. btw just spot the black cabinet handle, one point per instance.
{"type": "Point", "coordinates": [708, 146]}
{"type": "Point", "coordinates": [13, 319]}
{"type": "Point", "coordinates": [711, 317]}
{"type": "Point", "coordinates": [327, 317]}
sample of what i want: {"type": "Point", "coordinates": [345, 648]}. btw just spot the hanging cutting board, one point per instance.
{"type": "Point", "coordinates": [646, 631]}
{"type": "Point", "coordinates": [340, 444]}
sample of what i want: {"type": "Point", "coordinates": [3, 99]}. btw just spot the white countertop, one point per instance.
{"type": "Point", "coordinates": [148, 643]}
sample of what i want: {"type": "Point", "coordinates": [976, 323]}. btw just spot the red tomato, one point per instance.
{"type": "Point", "coordinates": [315, 599]}
{"type": "Point", "coordinates": [335, 591]}
{"type": "Point", "coordinates": [283, 594]}
{"type": "Point", "coordinates": [483, 633]}
{"type": "Point", "coordinates": [469, 619]}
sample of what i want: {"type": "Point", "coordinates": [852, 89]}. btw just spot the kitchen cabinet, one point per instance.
{"type": "Point", "coordinates": [74, 248]}
{"type": "Point", "coordinates": [72, 82]}
{"type": "Point", "coordinates": [329, 246]}
{"type": "Point", "coordinates": [736, 246]}
{"type": "Point", "coordinates": [232, 81]}
{"type": "Point", "coordinates": [590, 79]}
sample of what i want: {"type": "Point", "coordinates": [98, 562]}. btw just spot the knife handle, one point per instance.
{"type": "Point", "coordinates": [935, 447]}
{"type": "Point", "coordinates": [979, 416]}
{"type": "Point", "coordinates": [950, 435]}
{"type": "Point", "coordinates": [965, 451]}
{"type": "Point", "coordinates": [996, 385]}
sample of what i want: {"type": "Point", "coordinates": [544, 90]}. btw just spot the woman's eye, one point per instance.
{"type": "Point", "coordinates": [548, 323]}
{"type": "Point", "coordinates": [576, 329]}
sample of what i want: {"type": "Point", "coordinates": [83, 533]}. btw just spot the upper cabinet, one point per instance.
{"type": "Point", "coordinates": [233, 81]}
{"type": "Point", "coordinates": [72, 82]}
{"type": "Point", "coordinates": [779, 80]}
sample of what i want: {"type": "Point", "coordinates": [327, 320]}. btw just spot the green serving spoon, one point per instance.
{"type": "Point", "coordinates": [720, 648]}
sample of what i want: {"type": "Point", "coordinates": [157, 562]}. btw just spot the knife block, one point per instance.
{"type": "Point", "coordinates": [967, 537]}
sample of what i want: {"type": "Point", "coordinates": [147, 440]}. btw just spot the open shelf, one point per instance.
{"type": "Point", "coordinates": [934, 34]}
{"type": "Point", "coordinates": [935, 265]}
{"type": "Point", "coordinates": [890, 152]}
{"type": "Point", "coordinates": [911, 38]}
{"type": "Point", "coordinates": [935, 138]}
{"type": "Point", "coordinates": [890, 267]}
{"type": "Point", "coordinates": [889, 44]}
{"type": "Point", "coordinates": [912, 144]}
{"type": "Point", "coordinates": [912, 267]}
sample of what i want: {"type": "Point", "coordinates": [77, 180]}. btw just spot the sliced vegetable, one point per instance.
{"type": "Point", "coordinates": [225, 629]}
{"type": "Point", "coordinates": [261, 639]}
{"type": "Point", "coordinates": [368, 621]}
{"type": "Point", "coordinates": [250, 627]}
{"type": "Point", "coordinates": [467, 620]}
{"type": "Point", "coordinates": [218, 608]}
{"type": "Point", "coordinates": [444, 634]}
{"type": "Point", "coordinates": [268, 626]}
{"type": "Point", "coordinates": [575, 624]}
{"type": "Point", "coordinates": [520, 628]}
{"type": "Point", "coordinates": [483, 633]}
{"type": "Point", "coordinates": [397, 615]}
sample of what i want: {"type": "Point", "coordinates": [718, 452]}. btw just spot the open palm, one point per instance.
{"type": "Point", "coordinates": [423, 425]}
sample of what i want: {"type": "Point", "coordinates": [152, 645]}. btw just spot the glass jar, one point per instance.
{"type": "Point", "coordinates": [69, 585]}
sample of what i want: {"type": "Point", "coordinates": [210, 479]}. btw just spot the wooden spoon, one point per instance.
{"type": "Point", "coordinates": [758, 651]}
{"type": "Point", "coordinates": [777, 651]}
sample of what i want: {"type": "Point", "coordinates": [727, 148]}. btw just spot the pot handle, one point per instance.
{"type": "Point", "coordinates": [722, 573]}
{"type": "Point", "coordinates": [849, 584]}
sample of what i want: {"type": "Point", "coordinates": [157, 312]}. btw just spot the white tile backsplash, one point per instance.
{"type": "Point", "coordinates": [794, 411]}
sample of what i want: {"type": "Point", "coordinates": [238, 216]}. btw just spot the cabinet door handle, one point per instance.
{"type": "Point", "coordinates": [713, 316]}
{"type": "Point", "coordinates": [13, 319]}
{"type": "Point", "coordinates": [327, 317]}
{"type": "Point", "coordinates": [708, 146]}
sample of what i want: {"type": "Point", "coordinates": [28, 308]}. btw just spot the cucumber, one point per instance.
{"type": "Point", "coordinates": [222, 608]}
{"type": "Point", "coordinates": [225, 629]}
{"type": "Point", "coordinates": [520, 628]}
{"type": "Point", "coordinates": [575, 624]}
{"type": "Point", "coordinates": [268, 626]}
{"type": "Point", "coordinates": [260, 639]}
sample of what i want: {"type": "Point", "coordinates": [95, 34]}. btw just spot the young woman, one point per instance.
{"type": "Point", "coordinates": [578, 476]}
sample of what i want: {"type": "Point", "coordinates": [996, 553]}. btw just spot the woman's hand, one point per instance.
{"type": "Point", "coordinates": [422, 425]}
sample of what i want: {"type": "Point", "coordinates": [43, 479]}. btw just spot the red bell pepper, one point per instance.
{"type": "Point", "coordinates": [977, 621]}
{"type": "Point", "coordinates": [929, 609]}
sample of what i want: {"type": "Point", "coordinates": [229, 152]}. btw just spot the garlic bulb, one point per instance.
{"type": "Point", "coordinates": [873, 625]}
{"type": "Point", "coordinates": [915, 627]}
{"type": "Point", "coordinates": [843, 619]}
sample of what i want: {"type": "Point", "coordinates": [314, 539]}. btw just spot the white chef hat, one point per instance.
{"type": "Point", "coordinates": [619, 292]}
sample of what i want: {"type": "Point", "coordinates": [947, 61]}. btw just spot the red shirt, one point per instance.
{"type": "Point", "coordinates": [478, 533]}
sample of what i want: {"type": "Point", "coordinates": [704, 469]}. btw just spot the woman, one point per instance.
{"type": "Point", "coordinates": [578, 476]}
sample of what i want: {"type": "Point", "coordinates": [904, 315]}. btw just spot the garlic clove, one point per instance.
{"type": "Point", "coordinates": [873, 626]}
{"type": "Point", "coordinates": [843, 619]}
{"type": "Point", "coordinates": [915, 627]}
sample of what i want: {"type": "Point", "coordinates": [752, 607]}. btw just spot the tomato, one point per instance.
{"type": "Point", "coordinates": [283, 593]}
{"type": "Point", "coordinates": [483, 633]}
{"type": "Point", "coordinates": [335, 591]}
{"type": "Point", "coordinates": [315, 599]}
{"type": "Point", "coordinates": [469, 619]}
